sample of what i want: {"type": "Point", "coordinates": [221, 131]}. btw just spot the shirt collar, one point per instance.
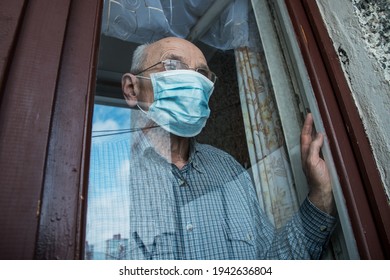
{"type": "Point", "coordinates": [143, 148]}
{"type": "Point", "coordinates": [194, 158]}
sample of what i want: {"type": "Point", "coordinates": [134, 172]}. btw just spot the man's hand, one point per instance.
{"type": "Point", "coordinates": [315, 168]}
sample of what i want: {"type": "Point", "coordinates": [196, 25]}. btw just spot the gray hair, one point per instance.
{"type": "Point", "coordinates": [139, 56]}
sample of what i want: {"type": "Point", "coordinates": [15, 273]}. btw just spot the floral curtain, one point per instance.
{"type": "Point", "coordinates": [269, 163]}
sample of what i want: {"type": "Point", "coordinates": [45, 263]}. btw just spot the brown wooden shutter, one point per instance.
{"type": "Point", "coordinates": [48, 59]}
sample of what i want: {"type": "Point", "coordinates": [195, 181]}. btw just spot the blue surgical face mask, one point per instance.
{"type": "Point", "coordinates": [181, 100]}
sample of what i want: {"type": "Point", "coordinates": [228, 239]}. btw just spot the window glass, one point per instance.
{"type": "Point", "coordinates": [108, 181]}
{"type": "Point", "coordinates": [116, 132]}
{"type": "Point", "coordinates": [184, 166]}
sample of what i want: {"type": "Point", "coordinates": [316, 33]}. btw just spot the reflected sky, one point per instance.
{"type": "Point", "coordinates": [108, 175]}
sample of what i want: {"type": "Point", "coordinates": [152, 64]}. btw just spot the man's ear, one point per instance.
{"type": "Point", "coordinates": [129, 85]}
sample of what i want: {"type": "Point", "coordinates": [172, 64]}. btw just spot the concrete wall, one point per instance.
{"type": "Point", "coordinates": [360, 30]}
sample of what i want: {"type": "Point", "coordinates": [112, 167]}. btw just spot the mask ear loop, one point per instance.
{"type": "Point", "coordinates": [142, 110]}
{"type": "Point", "coordinates": [139, 107]}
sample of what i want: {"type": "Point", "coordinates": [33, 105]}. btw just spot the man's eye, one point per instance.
{"type": "Point", "coordinates": [170, 66]}
{"type": "Point", "coordinates": [175, 65]}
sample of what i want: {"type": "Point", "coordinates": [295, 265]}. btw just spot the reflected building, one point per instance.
{"type": "Point", "coordinates": [89, 251]}
{"type": "Point", "coordinates": [117, 248]}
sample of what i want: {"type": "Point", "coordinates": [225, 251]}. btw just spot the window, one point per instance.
{"type": "Point", "coordinates": [252, 120]}
{"type": "Point", "coordinates": [50, 224]}
{"type": "Point", "coordinates": [112, 134]}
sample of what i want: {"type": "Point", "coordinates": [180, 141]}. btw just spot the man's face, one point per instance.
{"type": "Point", "coordinates": [168, 48]}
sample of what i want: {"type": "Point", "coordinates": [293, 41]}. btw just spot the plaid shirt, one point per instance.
{"type": "Point", "coordinates": [209, 210]}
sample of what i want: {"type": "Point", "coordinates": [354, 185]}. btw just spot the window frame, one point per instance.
{"type": "Point", "coordinates": [294, 97]}
{"type": "Point", "coordinates": [44, 180]}
{"type": "Point", "coordinates": [356, 168]}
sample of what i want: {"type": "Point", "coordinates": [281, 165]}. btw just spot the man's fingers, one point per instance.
{"type": "Point", "coordinates": [315, 147]}
{"type": "Point", "coordinates": [307, 126]}
{"type": "Point", "coordinates": [306, 136]}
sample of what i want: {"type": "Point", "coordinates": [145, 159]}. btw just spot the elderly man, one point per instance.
{"type": "Point", "coordinates": [193, 201]}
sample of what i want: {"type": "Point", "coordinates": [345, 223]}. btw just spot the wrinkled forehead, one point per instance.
{"type": "Point", "coordinates": [178, 49]}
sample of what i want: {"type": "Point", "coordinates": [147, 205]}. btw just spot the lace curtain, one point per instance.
{"type": "Point", "coordinates": [269, 163]}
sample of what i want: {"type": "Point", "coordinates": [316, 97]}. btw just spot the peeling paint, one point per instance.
{"type": "Point", "coordinates": [374, 21]}
{"type": "Point", "coordinates": [360, 31]}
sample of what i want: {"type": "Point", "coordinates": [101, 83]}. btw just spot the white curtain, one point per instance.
{"type": "Point", "coordinates": [142, 21]}
{"type": "Point", "coordinates": [269, 164]}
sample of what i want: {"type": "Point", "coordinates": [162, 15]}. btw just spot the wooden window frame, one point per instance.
{"type": "Point", "coordinates": [360, 180]}
{"type": "Point", "coordinates": [48, 68]}
{"type": "Point", "coordinates": [48, 73]}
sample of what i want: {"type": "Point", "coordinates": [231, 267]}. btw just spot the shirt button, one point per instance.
{"type": "Point", "coordinates": [323, 228]}
{"type": "Point", "coordinates": [249, 236]}
{"type": "Point", "coordinates": [181, 182]}
{"type": "Point", "coordinates": [190, 227]}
